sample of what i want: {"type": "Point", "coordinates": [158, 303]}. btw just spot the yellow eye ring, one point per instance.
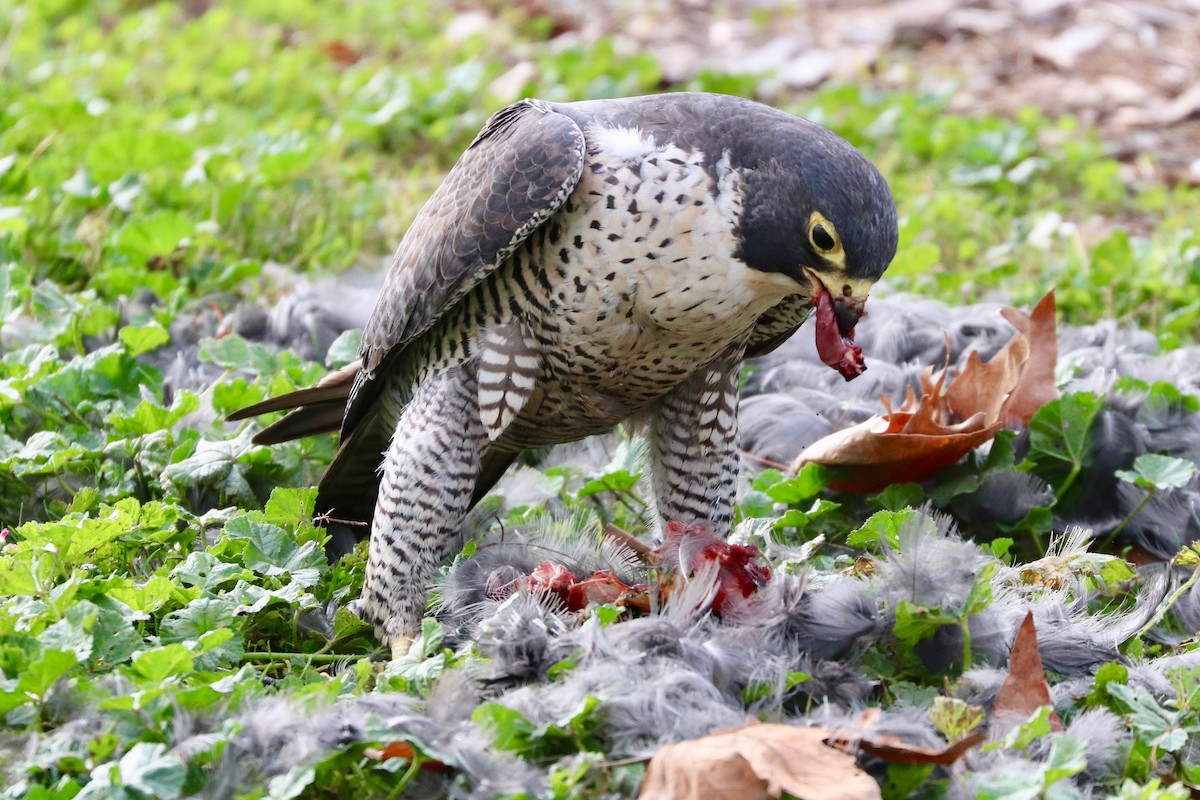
{"type": "Point", "coordinates": [823, 235]}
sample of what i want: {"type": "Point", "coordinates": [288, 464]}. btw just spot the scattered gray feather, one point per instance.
{"type": "Point", "coordinates": [1165, 524]}
{"type": "Point", "coordinates": [777, 427]}
{"type": "Point", "coordinates": [1002, 497]}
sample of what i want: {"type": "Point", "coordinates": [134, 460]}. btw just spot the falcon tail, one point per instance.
{"type": "Point", "coordinates": [317, 409]}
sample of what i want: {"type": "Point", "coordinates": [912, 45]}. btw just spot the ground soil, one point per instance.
{"type": "Point", "coordinates": [1130, 69]}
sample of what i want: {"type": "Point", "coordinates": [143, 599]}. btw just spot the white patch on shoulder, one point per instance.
{"type": "Point", "coordinates": [730, 189]}
{"type": "Point", "coordinates": [621, 144]}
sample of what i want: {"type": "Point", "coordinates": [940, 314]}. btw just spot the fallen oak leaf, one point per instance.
{"type": "Point", "coordinates": [982, 388]}
{"type": "Point", "coordinates": [756, 762]}
{"type": "Point", "coordinates": [908, 444]}
{"type": "Point", "coordinates": [1025, 690]}
{"type": "Point", "coordinates": [948, 420]}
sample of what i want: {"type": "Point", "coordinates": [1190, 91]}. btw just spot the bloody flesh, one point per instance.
{"type": "Point", "coordinates": [835, 349]}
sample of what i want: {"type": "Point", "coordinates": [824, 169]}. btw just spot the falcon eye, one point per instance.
{"type": "Point", "coordinates": [822, 238]}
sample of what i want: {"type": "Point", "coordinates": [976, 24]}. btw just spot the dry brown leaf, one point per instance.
{"type": "Point", "coordinates": [1025, 690]}
{"type": "Point", "coordinates": [895, 750]}
{"type": "Point", "coordinates": [391, 750]}
{"type": "Point", "coordinates": [756, 762]}
{"type": "Point", "coordinates": [403, 750]}
{"type": "Point", "coordinates": [946, 422]}
{"type": "Point", "coordinates": [1037, 386]}
{"type": "Point", "coordinates": [341, 53]}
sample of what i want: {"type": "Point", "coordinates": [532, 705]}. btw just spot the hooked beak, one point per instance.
{"type": "Point", "coordinates": [849, 299]}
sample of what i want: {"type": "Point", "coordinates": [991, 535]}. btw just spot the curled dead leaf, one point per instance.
{"type": "Point", "coordinates": [947, 421]}
{"type": "Point", "coordinates": [895, 750]}
{"type": "Point", "coordinates": [756, 762]}
{"type": "Point", "coordinates": [1036, 386]}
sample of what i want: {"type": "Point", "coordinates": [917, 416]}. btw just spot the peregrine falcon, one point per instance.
{"type": "Point", "coordinates": [581, 265]}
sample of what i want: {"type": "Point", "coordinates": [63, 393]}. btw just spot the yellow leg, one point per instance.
{"type": "Point", "coordinates": [400, 647]}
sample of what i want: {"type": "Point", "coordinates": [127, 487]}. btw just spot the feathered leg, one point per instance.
{"type": "Point", "coordinates": [429, 473]}
{"type": "Point", "coordinates": [694, 448]}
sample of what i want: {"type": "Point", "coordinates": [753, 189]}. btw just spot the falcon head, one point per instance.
{"type": "Point", "coordinates": [816, 210]}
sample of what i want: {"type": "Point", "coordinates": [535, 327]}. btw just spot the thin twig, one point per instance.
{"type": "Point", "coordinates": [635, 544]}
{"type": "Point", "coordinates": [322, 657]}
{"type": "Point", "coordinates": [325, 519]}
{"type": "Point", "coordinates": [766, 462]}
{"type": "Point", "coordinates": [623, 762]}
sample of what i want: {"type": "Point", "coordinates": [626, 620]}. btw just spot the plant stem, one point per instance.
{"type": "Point", "coordinates": [1066, 484]}
{"type": "Point", "coordinates": [621, 499]}
{"type": "Point", "coordinates": [1128, 517]}
{"type": "Point", "coordinates": [1038, 542]}
{"type": "Point", "coordinates": [1161, 611]}
{"type": "Point", "coordinates": [966, 631]}
{"type": "Point", "coordinates": [406, 777]}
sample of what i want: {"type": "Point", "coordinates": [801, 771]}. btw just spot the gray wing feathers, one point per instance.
{"type": "Point", "coordinates": [521, 167]}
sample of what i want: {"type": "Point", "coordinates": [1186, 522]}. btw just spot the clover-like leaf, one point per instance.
{"type": "Point", "coordinates": [1155, 471]}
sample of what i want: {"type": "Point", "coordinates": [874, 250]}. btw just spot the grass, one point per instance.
{"type": "Point", "coordinates": [153, 160]}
